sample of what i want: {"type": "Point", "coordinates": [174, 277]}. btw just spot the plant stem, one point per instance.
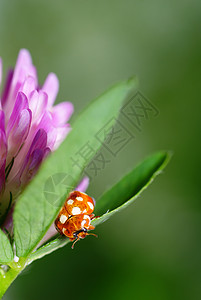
{"type": "Point", "coordinates": [8, 277]}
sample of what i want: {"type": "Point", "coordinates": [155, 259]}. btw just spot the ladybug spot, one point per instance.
{"type": "Point", "coordinates": [70, 202]}
{"type": "Point", "coordinates": [76, 211]}
{"type": "Point", "coordinates": [79, 198]}
{"type": "Point", "coordinates": [63, 219]}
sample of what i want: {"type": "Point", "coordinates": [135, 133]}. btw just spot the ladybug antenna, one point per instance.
{"type": "Point", "coordinates": [92, 234]}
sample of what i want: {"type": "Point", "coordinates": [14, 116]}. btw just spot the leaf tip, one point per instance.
{"type": "Point", "coordinates": [167, 156]}
{"type": "Point", "coordinates": [133, 81]}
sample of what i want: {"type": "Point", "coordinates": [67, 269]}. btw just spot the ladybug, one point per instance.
{"type": "Point", "coordinates": [74, 219]}
{"type": "Point", "coordinates": [79, 203]}
{"type": "Point", "coordinates": [75, 227]}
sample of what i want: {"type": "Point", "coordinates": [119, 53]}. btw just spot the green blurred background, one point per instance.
{"type": "Point", "coordinates": [152, 250]}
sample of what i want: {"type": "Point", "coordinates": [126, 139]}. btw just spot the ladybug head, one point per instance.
{"type": "Point", "coordinates": [81, 234]}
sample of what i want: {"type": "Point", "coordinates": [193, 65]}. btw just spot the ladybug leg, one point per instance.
{"type": "Point", "coordinates": [75, 242]}
{"type": "Point", "coordinates": [92, 234]}
{"type": "Point", "coordinates": [92, 216]}
{"type": "Point", "coordinates": [78, 235]}
{"type": "Point", "coordinates": [91, 227]}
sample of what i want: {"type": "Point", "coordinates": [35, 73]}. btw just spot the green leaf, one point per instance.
{"type": "Point", "coordinates": [6, 252]}
{"type": "Point", "coordinates": [129, 188]}
{"type": "Point", "coordinates": [118, 197]}
{"type": "Point", "coordinates": [48, 248]}
{"type": "Point", "coordinates": [39, 204]}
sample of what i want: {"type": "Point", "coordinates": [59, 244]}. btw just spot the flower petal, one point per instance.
{"type": "Point", "coordinates": [20, 104]}
{"type": "Point", "coordinates": [51, 87]}
{"type": "Point", "coordinates": [32, 166]}
{"type": "Point", "coordinates": [23, 69]}
{"type": "Point", "coordinates": [3, 152]}
{"type": "Point", "coordinates": [2, 120]}
{"type": "Point", "coordinates": [3, 147]}
{"type": "Point", "coordinates": [37, 104]}
{"type": "Point", "coordinates": [3, 143]}
{"type": "Point", "coordinates": [47, 151]}
{"type": "Point", "coordinates": [46, 123]}
{"type": "Point", "coordinates": [28, 86]}
{"type": "Point", "coordinates": [61, 113]}
{"type": "Point", "coordinates": [19, 133]}
{"type": "Point", "coordinates": [36, 158]}
{"type": "Point", "coordinates": [61, 135]}
{"type": "Point", "coordinates": [83, 185]}
{"type": "Point", "coordinates": [49, 234]}
{"type": "Point", "coordinates": [39, 141]}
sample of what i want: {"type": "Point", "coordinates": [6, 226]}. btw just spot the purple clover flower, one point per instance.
{"type": "Point", "coordinates": [30, 126]}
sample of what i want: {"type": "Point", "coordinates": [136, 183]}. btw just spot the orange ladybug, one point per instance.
{"type": "Point", "coordinates": [79, 203]}
{"type": "Point", "coordinates": [75, 227]}
{"type": "Point", "coordinates": [74, 219]}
